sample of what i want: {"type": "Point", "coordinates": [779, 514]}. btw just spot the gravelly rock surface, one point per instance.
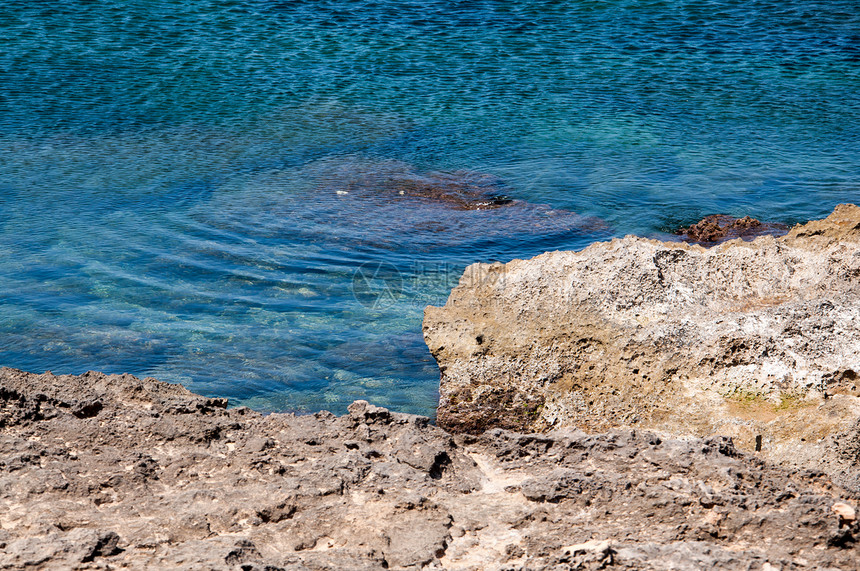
{"type": "Point", "coordinates": [756, 340]}
{"type": "Point", "coordinates": [114, 472]}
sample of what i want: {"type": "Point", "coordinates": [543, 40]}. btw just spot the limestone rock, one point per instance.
{"type": "Point", "coordinates": [846, 513]}
{"type": "Point", "coordinates": [755, 340]}
{"type": "Point", "coordinates": [160, 478]}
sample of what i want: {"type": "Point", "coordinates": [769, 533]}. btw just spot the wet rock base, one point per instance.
{"type": "Point", "coordinates": [114, 472]}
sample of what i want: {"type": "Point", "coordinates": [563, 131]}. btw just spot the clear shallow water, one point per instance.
{"type": "Point", "coordinates": [172, 176]}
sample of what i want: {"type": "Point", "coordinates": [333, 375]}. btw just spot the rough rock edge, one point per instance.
{"type": "Point", "coordinates": [718, 228]}
{"type": "Point", "coordinates": [564, 338]}
{"type": "Point", "coordinates": [157, 477]}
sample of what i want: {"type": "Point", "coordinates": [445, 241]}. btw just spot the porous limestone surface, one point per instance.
{"type": "Point", "coordinates": [759, 341]}
{"type": "Point", "coordinates": [115, 472]}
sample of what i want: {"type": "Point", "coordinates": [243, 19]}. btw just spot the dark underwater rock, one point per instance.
{"type": "Point", "coordinates": [460, 190]}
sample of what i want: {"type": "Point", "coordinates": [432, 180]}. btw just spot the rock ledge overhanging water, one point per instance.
{"type": "Point", "coordinates": [755, 340]}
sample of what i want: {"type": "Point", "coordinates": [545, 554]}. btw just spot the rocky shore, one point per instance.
{"type": "Point", "coordinates": [639, 405]}
{"type": "Point", "coordinates": [757, 340]}
{"type": "Point", "coordinates": [115, 472]}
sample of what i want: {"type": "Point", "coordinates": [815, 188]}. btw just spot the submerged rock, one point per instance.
{"type": "Point", "coordinates": [754, 340]}
{"type": "Point", "coordinates": [362, 202]}
{"type": "Point", "coordinates": [395, 182]}
{"type": "Point", "coordinates": [719, 228]}
{"type": "Point", "coordinates": [460, 190]}
{"type": "Point", "coordinates": [160, 478]}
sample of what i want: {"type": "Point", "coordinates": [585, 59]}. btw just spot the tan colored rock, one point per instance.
{"type": "Point", "coordinates": [593, 554]}
{"type": "Point", "coordinates": [593, 546]}
{"type": "Point", "coordinates": [756, 340]}
{"type": "Point", "coordinates": [159, 478]}
{"type": "Point", "coordinates": [846, 513]}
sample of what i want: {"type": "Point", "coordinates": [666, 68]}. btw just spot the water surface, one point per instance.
{"type": "Point", "coordinates": [184, 186]}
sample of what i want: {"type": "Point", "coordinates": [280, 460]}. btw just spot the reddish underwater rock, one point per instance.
{"type": "Point", "coordinates": [718, 228]}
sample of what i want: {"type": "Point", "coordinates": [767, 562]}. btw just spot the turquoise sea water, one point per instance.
{"type": "Point", "coordinates": [200, 190]}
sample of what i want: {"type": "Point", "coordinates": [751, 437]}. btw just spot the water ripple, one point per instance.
{"type": "Point", "coordinates": [191, 190]}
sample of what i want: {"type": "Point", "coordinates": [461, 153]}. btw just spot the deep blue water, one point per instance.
{"type": "Point", "coordinates": [201, 191]}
